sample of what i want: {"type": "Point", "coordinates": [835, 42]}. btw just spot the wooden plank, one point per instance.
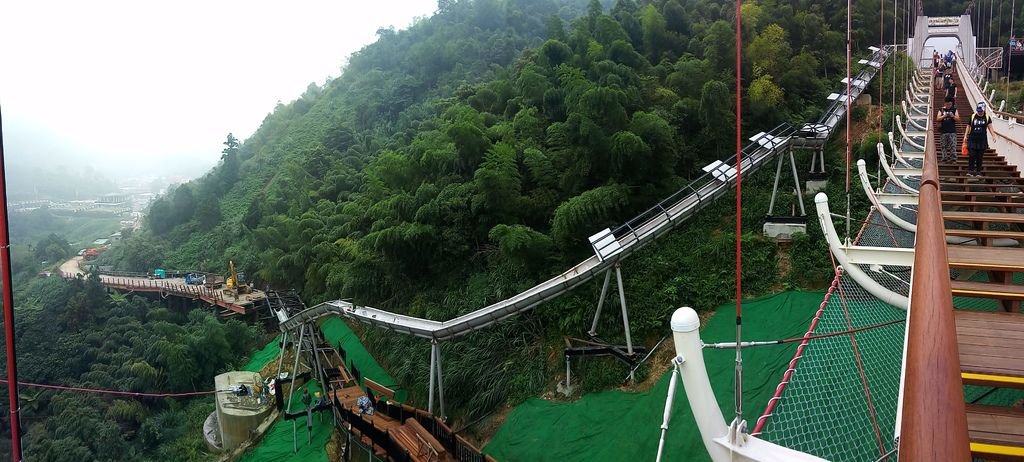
{"type": "Point", "coordinates": [988, 175]}
{"type": "Point", "coordinates": [985, 233]}
{"type": "Point", "coordinates": [986, 354]}
{"type": "Point", "coordinates": [997, 426]}
{"type": "Point", "coordinates": [989, 333]}
{"type": "Point", "coordinates": [380, 389]}
{"type": "Point", "coordinates": [988, 289]}
{"type": "Point", "coordinates": [985, 258]}
{"type": "Point", "coordinates": [993, 217]}
{"type": "Point", "coordinates": [972, 361]}
{"type": "Point", "coordinates": [962, 203]}
{"type": "Point", "coordinates": [947, 187]}
{"type": "Point", "coordinates": [986, 194]}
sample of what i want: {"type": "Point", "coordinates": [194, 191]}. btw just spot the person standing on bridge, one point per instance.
{"type": "Point", "coordinates": [951, 88]}
{"type": "Point", "coordinates": [977, 139]}
{"type": "Point", "coordinates": [947, 119]}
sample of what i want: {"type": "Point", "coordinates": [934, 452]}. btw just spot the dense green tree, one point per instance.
{"type": "Point", "coordinates": [52, 248]}
{"type": "Point", "coordinates": [469, 156]}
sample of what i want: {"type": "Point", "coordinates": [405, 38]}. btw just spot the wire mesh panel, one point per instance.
{"type": "Point", "coordinates": [840, 400]}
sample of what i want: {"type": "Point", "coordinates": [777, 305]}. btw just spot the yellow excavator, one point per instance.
{"type": "Point", "coordinates": [234, 286]}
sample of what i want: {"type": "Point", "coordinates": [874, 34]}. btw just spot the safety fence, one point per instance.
{"type": "Point", "coordinates": [165, 288]}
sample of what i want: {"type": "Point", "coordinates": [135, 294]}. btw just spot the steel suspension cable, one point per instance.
{"type": "Point", "coordinates": [112, 392]}
{"type": "Point", "coordinates": [895, 69]}
{"type": "Point", "coordinates": [991, 6]}
{"type": "Point", "coordinates": [1009, 56]}
{"type": "Point", "coordinates": [727, 345]}
{"type": "Point", "coordinates": [849, 46]}
{"type": "Point", "coordinates": [8, 300]}
{"type": "Point", "coordinates": [738, 386]}
{"type": "Point", "coordinates": [881, 49]}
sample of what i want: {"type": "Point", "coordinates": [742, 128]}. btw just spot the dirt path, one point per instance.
{"type": "Point", "coordinates": [71, 267]}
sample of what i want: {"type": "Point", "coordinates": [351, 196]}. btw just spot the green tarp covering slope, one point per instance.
{"type": "Point", "coordinates": [264, 356]}
{"type": "Point", "coordinates": [277, 444]}
{"type": "Point", "coordinates": [619, 426]}
{"type": "Point", "coordinates": [337, 332]}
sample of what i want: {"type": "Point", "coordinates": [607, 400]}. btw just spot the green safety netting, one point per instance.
{"type": "Point", "coordinates": [841, 401]}
{"type": "Point", "coordinates": [617, 426]}
{"type": "Point", "coordinates": [277, 444]}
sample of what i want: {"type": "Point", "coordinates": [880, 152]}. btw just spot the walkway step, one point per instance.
{"type": "Point", "coordinates": [987, 181]}
{"type": "Point", "coordinates": [962, 203]}
{"type": "Point", "coordinates": [986, 234]}
{"type": "Point", "coordinates": [988, 290]}
{"type": "Point", "coordinates": [976, 194]}
{"type": "Point", "coordinates": [984, 217]}
{"type": "Point", "coordinates": [990, 343]}
{"type": "Point", "coordinates": [996, 433]}
{"type": "Point", "coordinates": [985, 258]}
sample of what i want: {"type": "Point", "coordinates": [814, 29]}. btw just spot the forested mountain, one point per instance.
{"type": "Point", "coordinates": [75, 334]}
{"type": "Point", "coordinates": [468, 157]}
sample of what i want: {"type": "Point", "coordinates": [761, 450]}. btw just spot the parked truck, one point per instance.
{"type": "Point", "coordinates": [195, 279]}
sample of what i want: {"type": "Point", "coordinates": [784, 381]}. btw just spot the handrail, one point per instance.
{"type": "Point", "coordinates": [933, 416]}
{"type": "Point", "coordinates": [1004, 114]}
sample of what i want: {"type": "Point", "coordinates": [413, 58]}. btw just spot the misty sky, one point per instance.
{"type": "Point", "coordinates": [159, 85]}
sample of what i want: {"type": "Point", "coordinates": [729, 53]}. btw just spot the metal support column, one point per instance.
{"type": "Point", "coordinates": [568, 374]}
{"type": "Point", "coordinates": [600, 303]}
{"type": "Point", "coordinates": [796, 181]}
{"type": "Point", "coordinates": [280, 362]}
{"type": "Point", "coordinates": [433, 371]}
{"type": "Point", "coordinates": [775, 187]}
{"type": "Point", "coordinates": [625, 315]}
{"type": "Point", "coordinates": [295, 368]}
{"type": "Point", "coordinates": [440, 379]}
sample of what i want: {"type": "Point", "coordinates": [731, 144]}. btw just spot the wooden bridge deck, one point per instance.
{"type": "Point", "coordinates": [240, 305]}
{"type": "Point", "coordinates": [989, 344]}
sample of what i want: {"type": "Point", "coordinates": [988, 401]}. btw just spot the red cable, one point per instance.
{"type": "Point", "coordinates": [114, 392]}
{"type": "Point", "coordinates": [739, 166]}
{"type": "Point", "coordinates": [849, 45]}
{"type": "Point", "coordinates": [738, 392]}
{"type": "Point", "coordinates": [8, 309]}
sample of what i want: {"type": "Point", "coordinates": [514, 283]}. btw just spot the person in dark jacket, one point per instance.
{"type": "Point", "coordinates": [947, 119]}
{"type": "Point", "coordinates": [977, 139]}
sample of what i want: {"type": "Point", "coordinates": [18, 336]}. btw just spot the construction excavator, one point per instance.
{"type": "Point", "coordinates": [235, 285]}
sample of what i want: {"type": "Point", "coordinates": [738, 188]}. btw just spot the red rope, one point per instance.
{"type": "Point", "coordinates": [781, 387]}
{"type": "Point", "coordinates": [113, 392]}
{"type": "Point", "coordinates": [860, 365]}
{"type": "Point", "coordinates": [761, 421]}
{"type": "Point", "coordinates": [889, 229]}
